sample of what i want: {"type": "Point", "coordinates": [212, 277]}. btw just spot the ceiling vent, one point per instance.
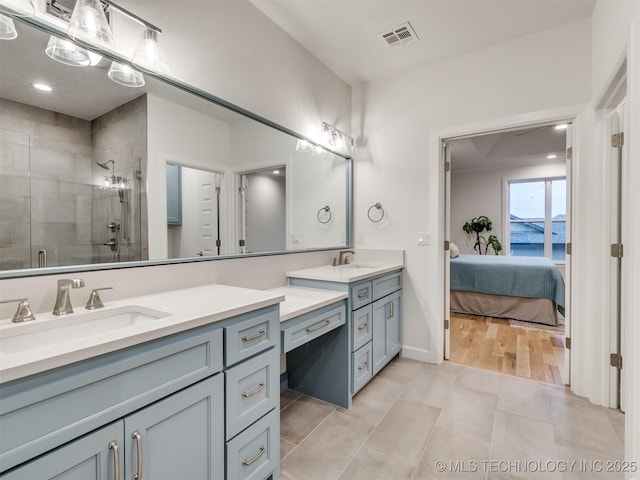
{"type": "Point", "coordinates": [400, 35]}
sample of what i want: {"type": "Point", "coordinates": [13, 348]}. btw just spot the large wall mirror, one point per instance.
{"type": "Point", "coordinates": [98, 175]}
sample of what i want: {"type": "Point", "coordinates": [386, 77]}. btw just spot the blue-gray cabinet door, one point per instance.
{"type": "Point", "coordinates": [180, 437]}
{"type": "Point", "coordinates": [174, 194]}
{"type": "Point", "coordinates": [96, 456]}
{"type": "Point", "coordinates": [387, 330]}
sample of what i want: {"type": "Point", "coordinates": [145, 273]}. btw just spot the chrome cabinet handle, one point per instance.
{"type": "Point", "coordinates": [261, 333]}
{"type": "Point", "coordinates": [138, 438]}
{"type": "Point", "coordinates": [393, 309]}
{"type": "Point", "coordinates": [363, 366]}
{"type": "Point", "coordinates": [253, 392]}
{"type": "Point", "coordinates": [362, 294]}
{"type": "Point", "coordinates": [116, 459]}
{"type": "Point", "coordinates": [363, 326]}
{"type": "Point", "coordinates": [246, 463]}
{"type": "Point", "coordinates": [317, 327]}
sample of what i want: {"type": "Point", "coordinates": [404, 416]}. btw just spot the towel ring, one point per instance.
{"type": "Point", "coordinates": [377, 206]}
{"type": "Point", "coordinates": [327, 218]}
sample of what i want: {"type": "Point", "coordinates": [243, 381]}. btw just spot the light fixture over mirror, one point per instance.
{"type": "Point", "coordinates": [7, 28]}
{"type": "Point", "coordinates": [67, 52]}
{"type": "Point", "coordinates": [125, 75]}
{"type": "Point", "coordinates": [148, 55]}
{"type": "Point", "coordinates": [18, 8]}
{"type": "Point", "coordinates": [89, 25]}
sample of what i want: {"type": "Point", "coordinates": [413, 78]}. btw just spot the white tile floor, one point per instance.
{"type": "Point", "coordinates": [419, 421]}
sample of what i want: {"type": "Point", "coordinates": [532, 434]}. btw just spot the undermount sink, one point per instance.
{"type": "Point", "coordinates": [34, 335]}
{"type": "Point", "coordinates": [356, 266]}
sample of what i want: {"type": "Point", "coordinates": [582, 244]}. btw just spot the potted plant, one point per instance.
{"type": "Point", "coordinates": [478, 225]}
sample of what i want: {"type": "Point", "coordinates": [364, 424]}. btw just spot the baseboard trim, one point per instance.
{"type": "Point", "coordinates": [418, 354]}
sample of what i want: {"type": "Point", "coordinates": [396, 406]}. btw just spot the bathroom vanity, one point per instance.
{"type": "Point", "coordinates": [339, 367]}
{"type": "Point", "coordinates": [154, 394]}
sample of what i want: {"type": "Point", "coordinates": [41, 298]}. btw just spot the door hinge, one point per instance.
{"type": "Point", "coordinates": [569, 248]}
{"type": "Point", "coordinates": [617, 250]}
{"type": "Point", "coordinates": [447, 166]}
{"type": "Point", "coordinates": [616, 360]}
{"type": "Point", "coordinates": [570, 153]}
{"type": "Point", "coordinates": [241, 243]}
{"type": "Point", "coordinates": [218, 243]}
{"type": "Point", "coordinates": [617, 140]}
{"type": "Point", "coordinates": [567, 343]}
{"type": "Point", "coordinates": [446, 324]}
{"type": "Point", "coordinates": [447, 245]}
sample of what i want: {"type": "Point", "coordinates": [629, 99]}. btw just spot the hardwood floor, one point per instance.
{"type": "Point", "coordinates": [492, 344]}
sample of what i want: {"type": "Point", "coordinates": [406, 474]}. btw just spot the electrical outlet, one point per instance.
{"type": "Point", "coordinates": [424, 238]}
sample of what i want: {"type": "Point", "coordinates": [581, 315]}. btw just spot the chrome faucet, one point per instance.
{"type": "Point", "coordinates": [343, 259]}
{"type": "Point", "coordinates": [23, 313]}
{"type": "Point", "coordinates": [63, 301]}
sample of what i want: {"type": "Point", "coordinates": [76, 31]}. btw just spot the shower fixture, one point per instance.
{"type": "Point", "coordinates": [104, 164]}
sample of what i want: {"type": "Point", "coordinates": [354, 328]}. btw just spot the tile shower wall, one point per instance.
{"type": "Point", "coordinates": [123, 129]}
{"type": "Point", "coordinates": [48, 187]}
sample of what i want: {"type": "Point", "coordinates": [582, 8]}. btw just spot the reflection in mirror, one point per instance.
{"type": "Point", "coordinates": [84, 177]}
{"type": "Point", "coordinates": [193, 212]}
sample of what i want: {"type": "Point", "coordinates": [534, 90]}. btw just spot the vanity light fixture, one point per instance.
{"type": "Point", "coordinates": [335, 139]}
{"type": "Point", "coordinates": [304, 145]}
{"type": "Point", "coordinates": [88, 24]}
{"type": "Point", "coordinates": [18, 8]}
{"type": "Point", "coordinates": [148, 55]}
{"type": "Point", "coordinates": [125, 75]}
{"type": "Point", "coordinates": [67, 52]}
{"type": "Point", "coordinates": [7, 28]}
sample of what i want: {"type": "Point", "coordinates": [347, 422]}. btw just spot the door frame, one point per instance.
{"type": "Point", "coordinates": [436, 139]}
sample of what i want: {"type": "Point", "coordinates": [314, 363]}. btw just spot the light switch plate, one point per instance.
{"type": "Point", "coordinates": [424, 238]}
{"type": "Point", "coordinates": [360, 237]}
{"type": "Point", "coordinates": [295, 237]}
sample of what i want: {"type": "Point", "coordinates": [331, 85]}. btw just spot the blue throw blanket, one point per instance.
{"type": "Point", "coordinates": [534, 277]}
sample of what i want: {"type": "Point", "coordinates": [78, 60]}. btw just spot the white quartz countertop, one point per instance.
{"type": "Point", "coordinates": [300, 300]}
{"type": "Point", "coordinates": [346, 273]}
{"type": "Point", "coordinates": [186, 309]}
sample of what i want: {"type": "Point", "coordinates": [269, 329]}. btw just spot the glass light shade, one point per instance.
{"type": "Point", "coordinates": [7, 28]}
{"type": "Point", "coordinates": [318, 151]}
{"type": "Point", "coordinates": [125, 75]}
{"type": "Point", "coordinates": [89, 24]}
{"type": "Point", "coordinates": [67, 52]}
{"type": "Point", "coordinates": [19, 8]}
{"type": "Point", "coordinates": [148, 54]}
{"type": "Point", "coordinates": [303, 146]}
{"type": "Point", "coordinates": [94, 58]}
{"type": "Point", "coordinates": [327, 136]}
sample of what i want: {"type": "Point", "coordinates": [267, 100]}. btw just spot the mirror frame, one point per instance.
{"type": "Point", "coordinates": [52, 29]}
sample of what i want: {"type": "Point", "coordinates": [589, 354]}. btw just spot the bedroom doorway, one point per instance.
{"type": "Point", "coordinates": [519, 179]}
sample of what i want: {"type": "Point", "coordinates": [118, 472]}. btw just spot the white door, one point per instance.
{"type": "Point", "coordinates": [446, 156]}
{"type": "Point", "coordinates": [614, 125]}
{"type": "Point", "coordinates": [566, 371]}
{"type": "Point", "coordinates": [207, 205]}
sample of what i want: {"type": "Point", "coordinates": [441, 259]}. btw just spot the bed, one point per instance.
{"type": "Point", "coordinates": [530, 289]}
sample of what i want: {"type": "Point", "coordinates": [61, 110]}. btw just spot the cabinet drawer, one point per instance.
{"type": "Point", "coordinates": [254, 335]}
{"type": "Point", "coordinates": [361, 294]}
{"type": "Point", "coordinates": [62, 404]}
{"type": "Point", "coordinates": [252, 389]}
{"type": "Point", "coordinates": [362, 369]}
{"type": "Point", "coordinates": [305, 328]}
{"type": "Point", "coordinates": [362, 326]}
{"type": "Point", "coordinates": [255, 453]}
{"type": "Point", "coordinates": [385, 285]}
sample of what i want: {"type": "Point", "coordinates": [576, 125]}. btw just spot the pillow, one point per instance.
{"type": "Point", "coordinates": [454, 251]}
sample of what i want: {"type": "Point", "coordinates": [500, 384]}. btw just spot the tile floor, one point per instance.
{"type": "Point", "coordinates": [415, 419]}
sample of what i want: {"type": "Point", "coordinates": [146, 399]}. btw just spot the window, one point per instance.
{"type": "Point", "coordinates": [538, 218]}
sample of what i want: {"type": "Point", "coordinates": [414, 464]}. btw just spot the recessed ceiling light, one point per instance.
{"type": "Point", "coordinates": [42, 86]}
{"type": "Point", "coordinates": [276, 172]}
{"type": "Point", "coordinates": [562, 126]}
{"type": "Point", "coordinates": [552, 156]}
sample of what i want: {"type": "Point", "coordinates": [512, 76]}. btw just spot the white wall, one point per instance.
{"type": "Point", "coordinates": [266, 213]}
{"type": "Point", "coordinates": [616, 32]}
{"type": "Point", "coordinates": [393, 119]}
{"type": "Point", "coordinates": [481, 192]}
